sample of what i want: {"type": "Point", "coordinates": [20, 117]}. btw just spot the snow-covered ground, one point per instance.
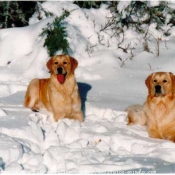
{"type": "Point", "coordinates": [108, 82]}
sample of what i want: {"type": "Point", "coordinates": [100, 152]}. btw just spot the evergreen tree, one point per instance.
{"type": "Point", "coordinates": [16, 13]}
{"type": "Point", "coordinates": [56, 35]}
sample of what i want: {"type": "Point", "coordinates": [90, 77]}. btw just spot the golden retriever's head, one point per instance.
{"type": "Point", "coordinates": [160, 83]}
{"type": "Point", "coordinates": [62, 66]}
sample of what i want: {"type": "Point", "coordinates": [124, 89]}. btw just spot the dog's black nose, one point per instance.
{"type": "Point", "coordinates": [158, 89]}
{"type": "Point", "coordinates": [59, 70]}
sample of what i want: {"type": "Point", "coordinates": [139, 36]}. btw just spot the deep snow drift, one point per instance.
{"type": "Point", "coordinates": [108, 82]}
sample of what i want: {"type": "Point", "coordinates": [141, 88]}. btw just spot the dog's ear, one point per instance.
{"type": "Point", "coordinates": [148, 83]}
{"type": "Point", "coordinates": [74, 64]}
{"type": "Point", "coordinates": [173, 81]}
{"type": "Point", "coordinates": [172, 76]}
{"type": "Point", "coordinates": [49, 65]}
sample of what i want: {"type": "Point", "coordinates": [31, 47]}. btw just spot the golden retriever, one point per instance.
{"type": "Point", "coordinates": [160, 105]}
{"type": "Point", "coordinates": [159, 108]}
{"type": "Point", "coordinates": [58, 94]}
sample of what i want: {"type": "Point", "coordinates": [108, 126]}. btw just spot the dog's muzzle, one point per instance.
{"type": "Point", "coordinates": [158, 90]}
{"type": "Point", "coordinates": [62, 71]}
{"type": "Point", "coordinates": [59, 70]}
{"type": "Point", "coordinates": [61, 74]}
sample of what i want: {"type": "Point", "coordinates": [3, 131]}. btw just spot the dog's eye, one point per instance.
{"type": "Point", "coordinates": [164, 81]}
{"type": "Point", "coordinates": [56, 63]}
{"type": "Point", "coordinates": [65, 62]}
{"type": "Point", "coordinates": [155, 81]}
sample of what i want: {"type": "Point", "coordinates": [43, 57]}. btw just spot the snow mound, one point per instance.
{"type": "Point", "coordinates": [109, 80]}
{"type": "Point", "coordinates": [10, 150]}
{"type": "Point", "coordinates": [2, 113]}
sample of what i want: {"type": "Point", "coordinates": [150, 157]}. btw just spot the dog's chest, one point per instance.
{"type": "Point", "coordinates": [62, 93]}
{"type": "Point", "coordinates": [163, 111]}
{"type": "Point", "coordinates": [159, 110]}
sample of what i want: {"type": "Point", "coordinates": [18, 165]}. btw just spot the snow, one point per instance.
{"type": "Point", "coordinates": [122, 5]}
{"type": "Point", "coordinates": [154, 3]}
{"type": "Point", "coordinates": [109, 81]}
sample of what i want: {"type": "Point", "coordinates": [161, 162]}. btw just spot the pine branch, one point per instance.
{"type": "Point", "coordinates": [56, 35]}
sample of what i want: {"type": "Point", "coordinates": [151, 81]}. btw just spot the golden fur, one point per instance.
{"type": "Point", "coordinates": [159, 108]}
{"type": "Point", "coordinates": [160, 105]}
{"type": "Point", "coordinates": [62, 99]}
{"type": "Point", "coordinates": [136, 115]}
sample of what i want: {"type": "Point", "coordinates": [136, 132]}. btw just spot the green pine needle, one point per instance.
{"type": "Point", "coordinates": [56, 36]}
